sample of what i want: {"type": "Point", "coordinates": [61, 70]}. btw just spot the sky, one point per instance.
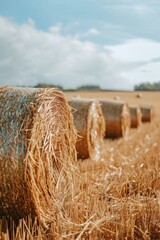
{"type": "Point", "coordinates": [114, 44]}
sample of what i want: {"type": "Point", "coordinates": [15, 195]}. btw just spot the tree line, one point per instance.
{"type": "Point", "coordinates": [148, 87]}
{"type": "Point", "coordinates": [84, 87]}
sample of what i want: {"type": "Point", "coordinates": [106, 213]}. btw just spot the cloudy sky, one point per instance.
{"type": "Point", "coordinates": [111, 43]}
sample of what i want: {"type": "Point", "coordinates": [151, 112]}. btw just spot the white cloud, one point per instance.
{"type": "Point", "coordinates": [139, 59]}
{"type": "Point", "coordinates": [31, 22]}
{"type": "Point", "coordinates": [136, 8]}
{"type": "Point", "coordinates": [140, 8]}
{"type": "Point", "coordinates": [30, 56]}
{"type": "Point", "coordinates": [87, 34]}
{"type": "Point", "coordinates": [92, 31]}
{"type": "Point", "coordinates": [56, 28]}
{"type": "Point", "coordinates": [149, 73]}
{"type": "Point", "coordinates": [135, 50]}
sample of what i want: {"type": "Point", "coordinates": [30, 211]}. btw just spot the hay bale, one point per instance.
{"type": "Point", "coordinates": [136, 116]}
{"type": "Point", "coordinates": [139, 95]}
{"type": "Point", "coordinates": [37, 146]}
{"type": "Point", "coordinates": [89, 122]}
{"type": "Point", "coordinates": [117, 118]}
{"type": "Point", "coordinates": [117, 98]}
{"type": "Point", "coordinates": [147, 113]}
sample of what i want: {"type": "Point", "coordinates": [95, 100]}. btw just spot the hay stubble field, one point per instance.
{"type": "Point", "coordinates": [117, 197]}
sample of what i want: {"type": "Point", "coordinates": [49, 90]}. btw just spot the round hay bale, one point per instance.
{"type": "Point", "coordinates": [117, 118]}
{"type": "Point", "coordinates": [139, 95]}
{"type": "Point", "coordinates": [136, 116]}
{"type": "Point", "coordinates": [37, 152]}
{"type": "Point", "coordinates": [147, 113]}
{"type": "Point", "coordinates": [89, 122]}
{"type": "Point", "coordinates": [117, 98]}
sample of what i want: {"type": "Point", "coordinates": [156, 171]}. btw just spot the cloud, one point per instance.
{"type": "Point", "coordinates": [92, 31]}
{"type": "Point", "coordinates": [136, 8]}
{"type": "Point", "coordinates": [135, 50]}
{"type": "Point", "coordinates": [147, 73]}
{"type": "Point", "coordinates": [56, 28]}
{"type": "Point", "coordinates": [31, 22]}
{"type": "Point", "coordinates": [140, 8]}
{"type": "Point", "coordinates": [30, 56]}
{"type": "Point", "coordinates": [154, 60]}
{"type": "Point", "coordinates": [139, 59]}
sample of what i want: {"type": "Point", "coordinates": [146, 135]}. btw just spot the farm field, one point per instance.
{"type": "Point", "coordinates": [151, 98]}
{"type": "Point", "coordinates": [116, 198]}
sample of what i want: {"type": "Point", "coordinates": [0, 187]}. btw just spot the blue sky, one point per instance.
{"type": "Point", "coordinates": [112, 43]}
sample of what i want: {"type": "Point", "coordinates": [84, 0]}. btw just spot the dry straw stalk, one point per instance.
{"type": "Point", "coordinates": [89, 122]}
{"type": "Point", "coordinates": [37, 152]}
{"type": "Point", "coordinates": [117, 118]}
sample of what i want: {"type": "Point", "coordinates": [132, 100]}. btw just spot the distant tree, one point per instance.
{"type": "Point", "coordinates": [45, 85]}
{"type": "Point", "coordinates": [147, 87]}
{"type": "Point", "coordinates": [89, 87]}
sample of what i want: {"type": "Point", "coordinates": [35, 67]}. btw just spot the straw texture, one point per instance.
{"type": "Point", "coordinates": [37, 151]}
{"type": "Point", "coordinates": [136, 116]}
{"type": "Point", "coordinates": [117, 118]}
{"type": "Point", "coordinates": [89, 122]}
{"type": "Point", "coordinates": [147, 113]}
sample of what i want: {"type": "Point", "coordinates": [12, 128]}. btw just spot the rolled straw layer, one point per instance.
{"type": "Point", "coordinates": [37, 149]}
{"type": "Point", "coordinates": [117, 118]}
{"type": "Point", "coordinates": [147, 113]}
{"type": "Point", "coordinates": [136, 116]}
{"type": "Point", "coordinates": [89, 122]}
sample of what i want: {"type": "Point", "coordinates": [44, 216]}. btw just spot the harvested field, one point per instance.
{"type": "Point", "coordinates": [148, 98]}
{"type": "Point", "coordinates": [115, 198]}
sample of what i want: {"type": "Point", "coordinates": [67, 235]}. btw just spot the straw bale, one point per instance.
{"type": "Point", "coordinates": [136, 116]}
{"type": "Point", "coordinates": [147, 113]}
{"type": "Point", "coordinates": [139, 95]}
{"type": "Point", "coordinates": [89, 122]}
{"type": "Point", "coordinates": [37, 152]}
{"type": "Point", "coordinates": [117, 118]}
